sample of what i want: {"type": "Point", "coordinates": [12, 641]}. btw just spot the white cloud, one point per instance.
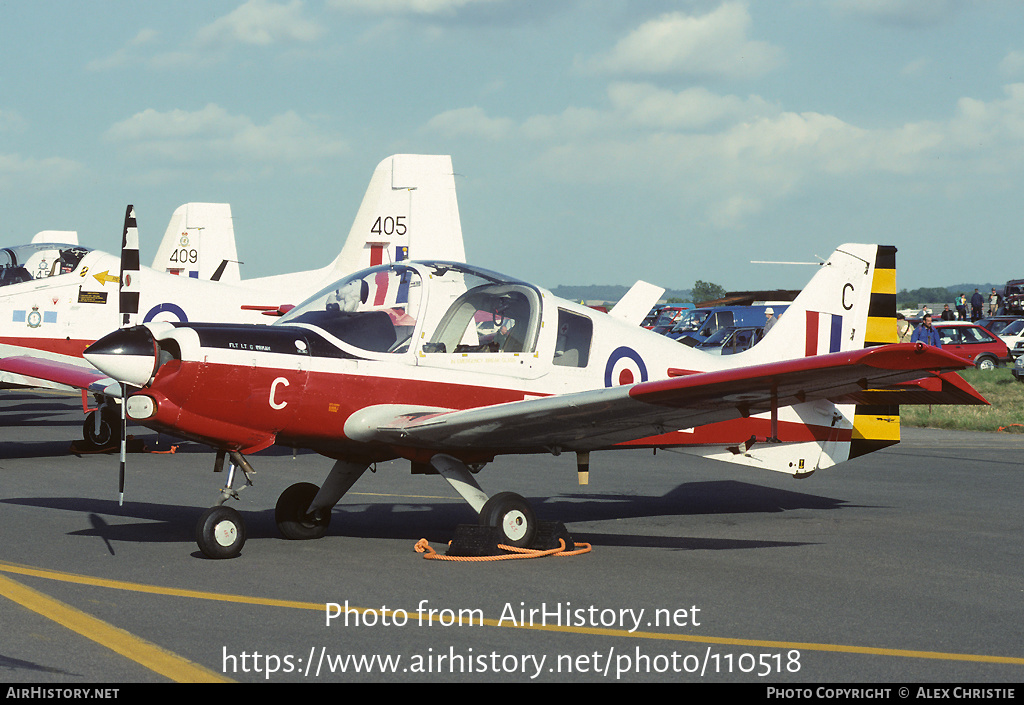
{"type": "Point", "coordinates": [411, 7]}
{"type": "Point", "coordinates": [19, 172]}
{"type": "Point", "coordinates": [261, 23]}
{"type": "Point", "coordinates": [469, 122]}
{"type": "Point", "coordinates": [180, 136]}
{"type": "Point", "coordinates": [127, 54]}
{"type": "Point", "coordinates": [1012, 64]}
{"type": "Point", "coordinates": [10, 121]}
{"type": "Point", "coordinates": [730, 158]}
{"type": "Point", "coordinates": [711, 45]}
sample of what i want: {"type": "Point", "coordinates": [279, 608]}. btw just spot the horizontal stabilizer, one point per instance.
{"type": "Point", "coordinates": [945, 388]}
{"type": "Point", "coordinates": [637, 302]}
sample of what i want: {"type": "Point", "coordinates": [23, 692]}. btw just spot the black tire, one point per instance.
{"type": "Point", "coordinates": [220, 532]}
{"type": "Point", "coordinates": [985, 362]}
{"type": "Point", "coordinates": [513, 515]}
{"type": "Point", "coordinates": [109, 433]}
{"type": "Point", "coordinates": [292, 520]}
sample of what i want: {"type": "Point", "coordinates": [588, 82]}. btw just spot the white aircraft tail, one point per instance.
{"type": "Point", "coordinates": [634, 306]}
{"type": "Point", "coordinates": [409, 209]}
{"type": "Point", "coordinates": [63, 237]}
{"type": "Point", "coordinates": [849, 304]}
{"type": "Point", "coordinates": [200, 243]}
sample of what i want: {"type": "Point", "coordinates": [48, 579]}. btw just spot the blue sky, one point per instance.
{"type": "Point", "coordinates": [594, 142]}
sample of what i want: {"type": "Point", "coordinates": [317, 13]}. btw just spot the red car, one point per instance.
{"type": "Point", "coordinates": [973, 343]}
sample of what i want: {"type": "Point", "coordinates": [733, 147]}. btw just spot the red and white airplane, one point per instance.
{"type": "Point", "coordinates": [59, 298]}
{"type": "Point", "coordinates": [390, 362]}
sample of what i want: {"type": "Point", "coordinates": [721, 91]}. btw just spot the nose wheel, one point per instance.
{"type": "Point", "coordinates": [220, 532]}
{"type": "Point", "coordinates": [101, 428]}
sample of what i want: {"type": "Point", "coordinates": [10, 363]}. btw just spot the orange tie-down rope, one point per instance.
{"type": "Point", "coordinates": [424, 547]}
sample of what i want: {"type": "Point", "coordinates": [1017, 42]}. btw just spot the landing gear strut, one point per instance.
{"type": "Point", "coordinates": [102, 427]}
{"type": "Point", "coordinates": [220, 532]}
{"type": "Point", "coordinates": [507, 511]}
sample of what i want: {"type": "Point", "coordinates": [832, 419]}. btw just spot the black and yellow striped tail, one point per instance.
{"type": "Point", "coordinates": [878, 426]}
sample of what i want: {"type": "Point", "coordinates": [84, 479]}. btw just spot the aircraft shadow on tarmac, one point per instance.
{"type": "Point", "coordinates": [436, 521]}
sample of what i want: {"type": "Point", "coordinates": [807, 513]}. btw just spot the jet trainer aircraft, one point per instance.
{"type": "Point", "coordinates": [46, 322]}
{"type": "Point", "coordinates": [391, 362]}
{"type": "Point", "coordinates": [50, 313]}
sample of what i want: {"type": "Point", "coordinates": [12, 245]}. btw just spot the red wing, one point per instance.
{"type": "Point", "coordinates": [80, 376]}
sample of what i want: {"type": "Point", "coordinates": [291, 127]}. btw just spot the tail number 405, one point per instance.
{"type": "Point", "coordinates": [388, 225]}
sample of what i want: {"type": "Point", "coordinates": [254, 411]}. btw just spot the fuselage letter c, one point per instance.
{"type": "Point", "coordinates": [846, 286]}
{"type": "Point", "coordinates": [273, 392]}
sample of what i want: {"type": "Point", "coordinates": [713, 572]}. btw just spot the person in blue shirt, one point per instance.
{"type": "Point", "coordinates": [926, 334]}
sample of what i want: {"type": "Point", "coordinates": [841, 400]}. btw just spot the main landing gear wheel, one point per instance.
{"type": "Point", "coordinates": [220, 532]}
{"type": "Point", "coordinates": [109, 432]}
{"type": "Point", "coordinates": [513, 515]}
{"type": "Point", "coordinates": [291, 516]}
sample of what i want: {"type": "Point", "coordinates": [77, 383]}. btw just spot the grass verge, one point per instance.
{"type": "Point", "coordinates": [1004, 393]}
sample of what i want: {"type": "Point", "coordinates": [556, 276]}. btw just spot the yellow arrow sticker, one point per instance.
{"type": "Point", "coordinates": [105, 276]}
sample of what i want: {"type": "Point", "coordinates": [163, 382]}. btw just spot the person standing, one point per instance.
{"type": "Point", "coordinates": [961, 306]}
{"type": "Point", "coordinates": [993, 303]}
{"type": "Point", "coordinates": [926, 334]}
{"type": "Point", "coordinates": [977, 301]}
{"type": "Point", "coordinates": [947, 314]}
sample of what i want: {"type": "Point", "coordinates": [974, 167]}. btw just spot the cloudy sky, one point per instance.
{"type": "Point", "coordinates": [594, 142]}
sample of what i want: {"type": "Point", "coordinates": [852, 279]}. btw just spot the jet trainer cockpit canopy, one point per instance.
{"type": "Point", "coordinates": [38, 260]}
{"type": "Point", "coordinates": [450, 307]}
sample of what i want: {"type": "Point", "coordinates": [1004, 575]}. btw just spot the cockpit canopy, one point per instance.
{"type": "Point", "coordinates": [449, 307]}
{"type": "Point", "coordinates": [38, 260]}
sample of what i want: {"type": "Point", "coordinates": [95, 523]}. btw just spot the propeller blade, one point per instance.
{"type": "Point", "coordinates": [128, 308]}
{"type": "Point", "coordinates": [129, 289]}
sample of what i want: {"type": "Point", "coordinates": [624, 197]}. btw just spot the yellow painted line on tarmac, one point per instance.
{"type": "Point", "coordinates": [124, 643]}
{"type": "Point", "coordinates": [447, 620]}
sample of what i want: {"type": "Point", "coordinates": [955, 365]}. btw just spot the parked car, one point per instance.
{"type": "Point", "coordinates": [996, 324]}
{"type": "Point", "coordinates": [728, 317]}
{"type": "Point", "coordinates": [1018, 369]}
{"type": "Point", "coordinates": [729, 341]}
{"type": "Point", "coordinates": [1013, 336]}
{"type": "Point", "coordinates": [973, 343]}
{"type": "Point", "coordinates": [690, 322]}
{"type": "Point", "coordinates": [669, 316]}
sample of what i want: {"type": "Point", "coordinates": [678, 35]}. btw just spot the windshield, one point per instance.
{"type": "Point", "coordinates": [466, 310]}
{"type": "Point", "coordinates": [1014, 328]}
{"type": "Point", "coordinates": [38, 260]}
{"type": "Point", "coordinates": [717, 339]}
{"type": "Point", "coordinates": [375, 309]}
{"type": "Point", "coordinates": [690, 321]}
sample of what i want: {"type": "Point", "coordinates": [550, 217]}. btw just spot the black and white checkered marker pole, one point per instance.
{"type": "Point", "coordinates": [128, 310]}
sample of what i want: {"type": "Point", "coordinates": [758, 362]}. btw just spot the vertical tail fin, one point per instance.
{"type": "Point", "coordinates": [836, 311]}
{"type": "Point", "coordinates": [200, 243]}
{"type": "Point", "coordinates": [409, 212]}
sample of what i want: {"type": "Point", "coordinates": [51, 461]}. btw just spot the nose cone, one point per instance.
{"type": "Point", "coordinates": [128, 355]}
